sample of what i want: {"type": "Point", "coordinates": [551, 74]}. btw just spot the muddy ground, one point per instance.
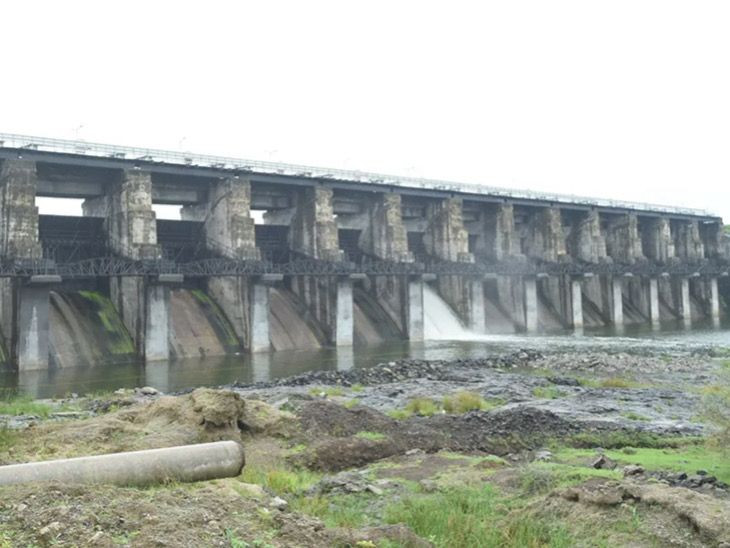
{"type": "Point", "coordinates": [521, 449]}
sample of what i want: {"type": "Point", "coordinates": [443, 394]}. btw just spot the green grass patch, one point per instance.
{"type": "Point", "coordinates": [634, 416]}
{"type": "Point", "coordinates": [352, 510]}
{"type": "Point", "coordinates": [463, 401]}
{"type": "Point", "coordinates": [475, 517]}
{"type": "Point", "coordinates": [618, 382]}
{"type": "Point", "coordinates": [327, 391]}
{"type": "Point", "coordinates": [349, 404]}
{"type": "Point", "coordinates": [373, 436]}
{"type": "Point", "coordinates": [547, 393]}
{"type": "Point", "coordinates": [425, 407]}
{"type": "Point", "coordinates": [542, 477]}
{"type": "Point", "coordinates": [18, 404]}
{"type": "Point", "coordinates": [281, 481]}
{"type": "Point", "coordinates": [686, 459]}
{"type": "Point", "coordinates": [357, 387]}
{"type": "Point", "coordinates": [398, 414]}
{"type": "Point", "coordinates": [619, 439]}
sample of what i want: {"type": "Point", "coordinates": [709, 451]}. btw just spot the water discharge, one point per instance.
{"type": "Point", "coordinates": [440, 321]}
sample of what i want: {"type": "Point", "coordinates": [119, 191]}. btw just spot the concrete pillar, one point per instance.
{"type": "Point", "coordinates": [499, 240]}
{"type": "Point", "coordinates": [654, 314]}
{"type": "Point", "coordinates": [714, 301]}
{"type": "Point", "coordinates": [19, 219]}
{"type": "Point", "coordinates": [576, 290]}
{"type": "Point", "coordinates": [415, 309]}
{"type": "Point", "coordinates": [688, 243]}
{"type": "Point", "coordinates": [531, 317]}
{"type": "Point", "coordinates": [659, 244]}
{"type": "Point", "coordinates": [259, 340]}
{"type": "Point", "coordinates": [344, 321]}
{"type": "Point", "coordinates": [131, 224]}
{"type": "Point", "coordinates": [477, 316]}
{"type": "Point", "coordinates": [33, 327]}
{"type": "Point", "coordinates": [259, 307]}
{"type": "Point", "coordinates": [617, 303]}
{"type": "Point", "coordinates": [586, 240]}
{"type": "Point", "coordinates": [131, 229]}
{"type": "Point", "coordinates": [385, 234]}
{"type": "Point", "coordinates": [445, 237]}
{"type": "Point", "coordinates": [546, 239]}
{"type": "Point", "coordinates": [313, 229]}
{"type": "Point", "coordinates": [685, 309]}
{"type": "Point", "coordinates": [157, 323]}
{"type": "Point", "coordinates": [623, 241]}
{"type": "Point", "coordinates": [230, 230]}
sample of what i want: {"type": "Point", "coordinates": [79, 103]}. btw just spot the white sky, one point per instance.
{"type": "Point", "coordinates": [618, 99]}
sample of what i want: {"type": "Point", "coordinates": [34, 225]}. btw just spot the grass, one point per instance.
{"type": "Point", "coordinates": [328, 391]}
{"type": "Point", "coordinates": [463, 401]}
{"type": "Point", "coordinates": [542, 477]}
{"type": "Point", "coordinates": [547, 393]}
{"type": "Point", "coordinates": [23, 405]}
{"type": "Point", "coordinates": [620, 439]}
{"type": "Point", "coordinates": [610, 382]}
{"type": "Point", "coordinates": [716, 409]}
{"type": "Point", "coordinates": [425, 407]}
{"type": "Point", "coordinates": [474, 517]}
{"type": "Point", "coordinates": [282, 481]}
{"type": "Point", "coordinates": [634, 416]}
{"type": "Point", "coordinates": [685, 459]}
{"type": "Point", "coordinates": [457, 403]}
{"type": "Point", "coordinates": [373, 436]}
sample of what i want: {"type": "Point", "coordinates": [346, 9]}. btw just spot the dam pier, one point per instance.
{"type": "Point", "coordinates": [270, 256]}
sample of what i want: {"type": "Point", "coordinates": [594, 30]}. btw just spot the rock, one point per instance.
{"type": "Point", "coordinates": [148, 391]}
{"type": "Point", "coordinates": [701, 472]}
{"type": "Point", "coordinates": [602, 462]}
{"type": "Point", "coordinates": [416, 451]}
{"type": "Point", "coordinates": [543, 456]}
{"type": "Point", "coordinates": [278, 503]}
{"type": "Point", "coordinates": [633, 470]}
{"type": "Point", "coordinates": [50, 530]}
{"type": "Point", "coordinates": [375, 490]}
{"type": "Point", "coordinates": [96, 538]}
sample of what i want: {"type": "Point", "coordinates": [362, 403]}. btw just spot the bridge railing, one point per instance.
{"type": "Point", "coordinates": [84, 148]}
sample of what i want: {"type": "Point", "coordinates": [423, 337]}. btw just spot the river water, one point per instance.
{"type": "Point", "coordinates": [177, 375]}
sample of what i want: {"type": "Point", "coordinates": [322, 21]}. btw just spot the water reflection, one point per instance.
{"type": "Point", "coordinates": [214, 371]}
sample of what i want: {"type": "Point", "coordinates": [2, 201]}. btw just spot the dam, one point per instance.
{"type": "Point", "coordinates": [270, 256]}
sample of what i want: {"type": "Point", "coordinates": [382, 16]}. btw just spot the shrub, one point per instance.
{"type": "Point", "coordinates": [425, 407]}
{"type": "Point", "coordinates": [464, 401]}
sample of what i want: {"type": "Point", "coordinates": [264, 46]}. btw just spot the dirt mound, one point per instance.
{"type": "Point", "coordinates": [503, 430]}
{"type": "Point", "coordinates": [203, 415]}
{"type": "Point", "coordinates": [678, 516]}
{"type": "Point", "coordinates": [332, 433]}
{"type": "Point", "coordinates": [324, 417]}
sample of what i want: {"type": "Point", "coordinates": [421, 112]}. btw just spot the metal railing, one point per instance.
{"type": "Point", "coordinates": [83, 148]}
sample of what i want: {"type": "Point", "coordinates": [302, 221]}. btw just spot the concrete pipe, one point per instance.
{"type": "Point", "coordinates": [186, 463]}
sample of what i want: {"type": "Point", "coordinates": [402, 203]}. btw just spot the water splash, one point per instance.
{"type": "Point", "coordinates": [441, 323]}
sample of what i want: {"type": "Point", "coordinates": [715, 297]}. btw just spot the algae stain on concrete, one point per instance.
{"type": "Point", "coordinates": [219, 320]}
{"type": "Point", "coordinates": [119, 340]}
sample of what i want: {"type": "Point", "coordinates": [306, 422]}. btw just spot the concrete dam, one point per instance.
{"type": "Point", "coordinates": [270, 256]}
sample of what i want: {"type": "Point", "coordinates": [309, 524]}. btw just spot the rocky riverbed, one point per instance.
{"type": "Point", "coordinates": [520, 448]}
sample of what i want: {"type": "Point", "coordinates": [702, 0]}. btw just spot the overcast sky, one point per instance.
{"type": "Point", "coordinates": [617, 99]}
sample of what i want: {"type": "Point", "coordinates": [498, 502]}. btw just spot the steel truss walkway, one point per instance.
{"type": "Point", "coordinates": [108, 266]}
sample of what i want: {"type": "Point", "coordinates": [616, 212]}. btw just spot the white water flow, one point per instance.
{"type": "Point", "coordinates": [441, 323]}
